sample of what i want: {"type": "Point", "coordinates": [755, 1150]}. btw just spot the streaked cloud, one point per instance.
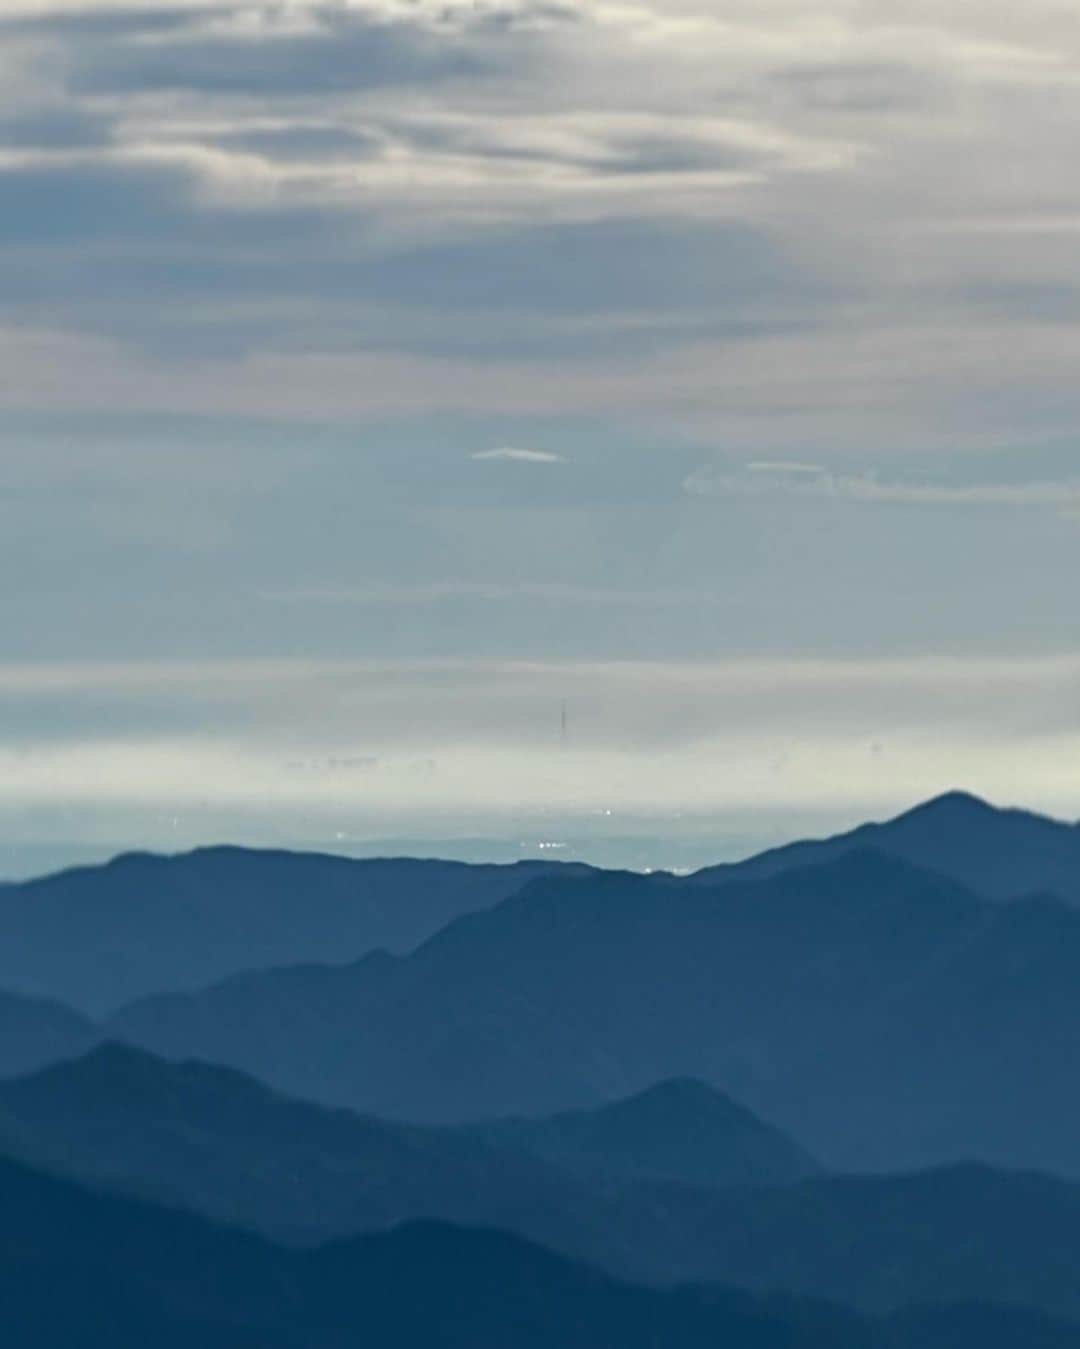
{"type": "Point", "coordinates": [262, 153]}
{"type": "Point", "coordinates": [509, 454]}
{"type": "Point", "coordinates": [763, 479]}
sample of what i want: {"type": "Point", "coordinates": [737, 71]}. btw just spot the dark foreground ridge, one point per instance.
{"type": "Point", "coordinates": [211, 1140]}
{"type": "Point", "coordinates": [77, 1268]}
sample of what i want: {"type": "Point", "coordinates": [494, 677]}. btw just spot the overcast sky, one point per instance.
{"type": "Point", "coordinates": [375, 375]}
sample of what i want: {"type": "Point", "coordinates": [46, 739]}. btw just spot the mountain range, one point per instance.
{"type": "Point", "coordinates": [209, 1140]}
{"type": "Point", "coordinates": [102, 1272]}
{"type": "Point", "coordinates": [100, 936]}
{"type": "Point", "coordinates": [96, 937]}
{"type": "Point", "coordinates": [823, 1097]}
{"type": "Point", "coordinates": [885, 1016]}
{"type": "Point", "coordinates": [1001, 854]}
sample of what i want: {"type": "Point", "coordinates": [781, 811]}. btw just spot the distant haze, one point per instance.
{"type": "Point", "coordinates": [660, 765]}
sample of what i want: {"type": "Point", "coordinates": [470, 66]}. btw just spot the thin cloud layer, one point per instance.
{"type": "Point", "coordinates": [762, 480]}
{"type": "Point", "coordinates": [378, 741]}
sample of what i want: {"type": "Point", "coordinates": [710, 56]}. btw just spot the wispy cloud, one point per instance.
{"type": "Point", "coordinates": [230, 180]}
{"type": "Point", "coordinates": [511, 454]}
{"type": "Point", "coordinates": [764, 479]}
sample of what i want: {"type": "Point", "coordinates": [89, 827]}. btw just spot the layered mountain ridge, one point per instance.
{"type": "Point", "coordinates": [97, 937]}
{"type": "Point", "coordinates": [809, 996]}
{"type": "Point", "coordinates": [215, 1142]}
{"type": "Point", "coordinates": [209, 1138]}
{"type": "Point", "coordinates": [451, 1073]}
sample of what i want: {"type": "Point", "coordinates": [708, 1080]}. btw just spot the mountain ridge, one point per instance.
{"type": "Point", "coordinates": [96, 937]}
{"type": "Point", "coordinates": [999, 852]}
{"type": "Point", "coordinates": [221, 1142]}
{"type": "Point", "coordinates": [79, 1266]}
{"type": "Point", "coordinates": [668, 1132]}
{"type": "Point", "coordinates": [779, 991]}
{"type": "Point", "coordinates": [35, 1031]}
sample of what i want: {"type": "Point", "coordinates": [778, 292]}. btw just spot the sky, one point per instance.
{"type": "Point", "coordinates": [379, 378]}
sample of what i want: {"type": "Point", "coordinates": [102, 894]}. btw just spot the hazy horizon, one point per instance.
{"type": "Point", "coordinates": [681, 842]}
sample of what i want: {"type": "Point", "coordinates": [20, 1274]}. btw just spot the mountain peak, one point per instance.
{"type": "Point", "coordinates": [687, 1090]}
{"type": "Point", "coordinates": [997, 852]}
{"type": "Point", "coordinates": [680, 1129]}
{"type": "Point", "coordinates": [686, 1099]}
{"type": "Point", "coordinates": [952, 805]}
{"type": "Point", "coordinates": [115, 1075]}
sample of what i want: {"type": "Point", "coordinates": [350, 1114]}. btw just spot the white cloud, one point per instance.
{"type": "Point", "coordinates": [512, 455]}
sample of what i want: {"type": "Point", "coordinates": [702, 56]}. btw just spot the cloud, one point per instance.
{"type": "Point", "coordinates": [55, 128]}
{"type": "Point", "coordinates": [202, 256]}
{"type": "Point", "coordinates": [861, 88]}
{"type": "Point", "coordinates": [50, 19]}
{"type": "Point", "coordinates": [286, 52]}
{"type": "Point", "coordinates": [324, 177]}
{"type": "Point", "coordinates": [511, 455]}
{"type": "Point", "coordinates": [823, 237]}
{"type": "Point", "coordinates": [764, 480]}
{"type": "Point", "coordinates": [206, 742]}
